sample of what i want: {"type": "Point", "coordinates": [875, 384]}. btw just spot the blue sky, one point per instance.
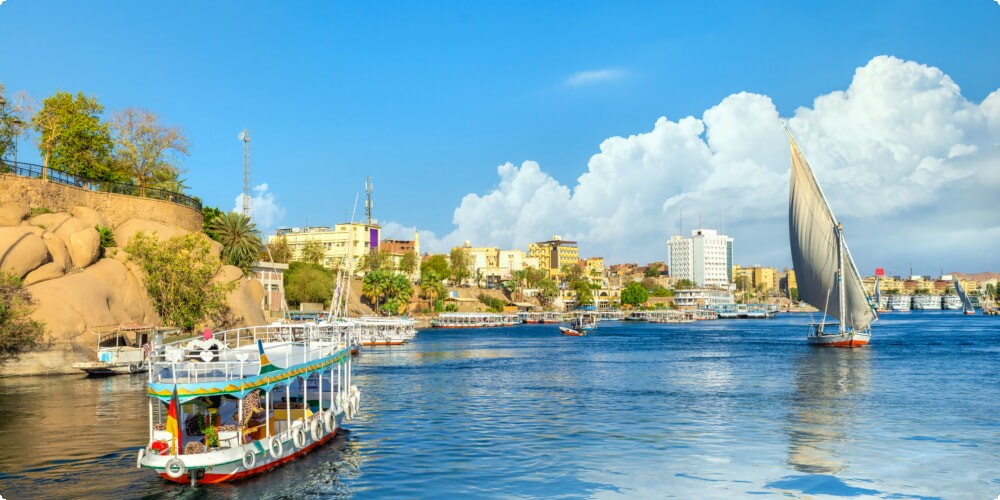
{"type": "Point", "coordinates": [433, 99]}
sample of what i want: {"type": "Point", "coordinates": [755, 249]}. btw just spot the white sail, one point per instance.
{"type": "Point", "coordinates": [966, 303]}
{"type": "Point", "coordinates": [816, 253]}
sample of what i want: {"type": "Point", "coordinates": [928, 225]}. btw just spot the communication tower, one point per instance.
{"type": "Point", "coordinates": [245, 137]}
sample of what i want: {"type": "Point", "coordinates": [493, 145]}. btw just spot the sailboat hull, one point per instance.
{"type": "Point", "coordinates": [849, 339]}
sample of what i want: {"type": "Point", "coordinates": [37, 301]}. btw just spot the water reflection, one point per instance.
{"type": "Point", "coordinates": [822, 417]}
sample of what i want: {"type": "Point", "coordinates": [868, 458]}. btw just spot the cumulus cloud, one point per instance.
{"type": "Point", "coordinates": [594, 76]}
{"type": "Point", "coordinates": [907, 162]}
{"type": "Point", "coordinates": [266, 211]}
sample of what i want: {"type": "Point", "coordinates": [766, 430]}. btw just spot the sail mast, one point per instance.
{"type": "Point", "coordinates": [840, 277]}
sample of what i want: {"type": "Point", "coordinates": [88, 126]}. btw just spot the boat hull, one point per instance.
{"type": "Point", "coordinates": [571, 332]}
{"type": "Point", "coordinates": [849, 339]}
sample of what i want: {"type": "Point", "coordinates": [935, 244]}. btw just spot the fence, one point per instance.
{"type": "Point", "coordinates": [35, 171]}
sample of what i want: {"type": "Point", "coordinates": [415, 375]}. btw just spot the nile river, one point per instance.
{"type": "Point", "coordinates": [718, 409]}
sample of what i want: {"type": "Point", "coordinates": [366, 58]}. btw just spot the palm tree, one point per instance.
{"type": "Point", "coordinates": [240, 243]}
{"type": "Point", "coordinates": [375, 285]}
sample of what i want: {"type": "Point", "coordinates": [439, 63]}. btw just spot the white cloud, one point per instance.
{"type": "Point", "coordinates": [266, 211]}
{"type": "Point", "coordinates": [906, 161]}
{"type": "Point", "coordinates": [594, 76]}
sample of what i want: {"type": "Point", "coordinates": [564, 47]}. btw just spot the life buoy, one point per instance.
{"type": "Point", "coordinates": [316, 429]}
{"type": "Point", "coordinates": [249, 459]}
{"type": "Point", "coordinates": [275, 447]}
{"type": "Point", "coordinates": [299, 437]}
{"type": "Point", "coordinates": [330, 420]}
{"type": "Point", "coordinates": [175, 468]}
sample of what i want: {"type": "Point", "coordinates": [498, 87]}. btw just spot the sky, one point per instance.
{"type": "Point", "coordinates": [613, 124]}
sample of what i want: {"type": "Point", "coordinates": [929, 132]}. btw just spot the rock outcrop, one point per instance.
{"type": "Point", "coordinates": [76, 291]}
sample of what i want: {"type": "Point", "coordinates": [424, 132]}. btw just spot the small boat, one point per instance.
{"type": "Point", "coordinates": [827, 276]}
{"type": "Point", "coordinates": [900, 303]}
{"type": "Point", "coordinates": [881, 301]}
{"type": "Point", "coordinates": [571, 332]}
{"type": "Point", "coordinates": [123, 350]}
{"type": "Point", "coordinates": [237, 403]}
{"type": "Point", "coordinates": [967, 307]}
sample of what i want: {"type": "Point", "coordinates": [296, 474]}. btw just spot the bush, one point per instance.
{"type": "Point", "coordinates": [495, 304]}
{"type": "Point", "coordinates": [107, 237]}
{"type": "Point", "coordinates": [18, 333]}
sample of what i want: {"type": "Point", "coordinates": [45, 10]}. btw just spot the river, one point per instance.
{"type": "Point", "coordinates": [718, 409]}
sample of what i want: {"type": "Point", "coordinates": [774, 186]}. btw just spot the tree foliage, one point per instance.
{"type": "Point", "coordinates": [547, 291]}
{"type": "Point", "coordinates": [144, 149]}
{"type": "Point", "coordinates": [313, 252]}
{"type": "Point", "coordinates": [436, 264]}
{"type": "Point", "coordinates": [72, 137]}
{"type": "Point", "coordinates": [12, 123]}
{"type": "Point", "coordinates": [408, 262]}
{"type": "Point", "coordinates": [208, 215]}
{"type": "Point", "coordinates": [389, 292]}
{"type": "Point", "coordinates": [178, 278]}
{"type": "Point", "coordinates": [308, 282]}
{"type": "Point", "coordinates": [378, 260]}
{"type": "Point", "coordinates": [18, 332]}
{"type": "Point", "coordinates": [653, 270]}
{"type": "Point", "coordinates": [240, 243]}
{"type": "Point", "coordinates": [684, 284]}
{"type": "Point", "coordinates": [277, 251]}
{"type": "Point", "coordinates": [634, 294]}
{"type": "Point", "coordinates": [495, 304]}
{"type": "Point", "coordinates": [460, 267]}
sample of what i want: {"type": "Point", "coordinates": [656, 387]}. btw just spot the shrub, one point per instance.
{"type": "Point", "coordinates": [18, 333]}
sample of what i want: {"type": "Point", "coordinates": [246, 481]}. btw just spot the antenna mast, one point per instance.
{"type": "Point", "coordinates": [368, 201]}
{"type": "Point", "coordinates": [245, 137]}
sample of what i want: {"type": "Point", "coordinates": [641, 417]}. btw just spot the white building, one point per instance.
{"type": "Point", "coordinates": [706, 258]}
{"type": "Point", "coordinates": [702, 298]}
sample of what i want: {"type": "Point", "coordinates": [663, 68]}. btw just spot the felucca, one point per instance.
{"type": "Point", "coordinates": [827, 276]}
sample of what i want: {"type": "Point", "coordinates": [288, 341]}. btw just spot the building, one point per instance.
{"type": "Point", "coordinates": [702, 298]}
{"type": "Point", "coordinates": [706, 258]}
{"type": "Point", "coordinates": [398, 248]}
{"type": "Point", "coordinates": [494, 265]}
{"type": "Point", "coordinates": [554, 254]}
{"type": "Point", "coordinates": [271, 276]}
{"type": "Point", "coordinates": [593, 268]}
{"type": "Point", "coordinates": [341, 244]}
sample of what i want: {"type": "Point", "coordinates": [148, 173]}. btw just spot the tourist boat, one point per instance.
{"type": "Point", "coordinates": [967, 307]}
{"type": "Point", "coordinates": [123, 350]}
{"type": "Point", "coordinates": [900, 303]}
{"type": "Point", "coordinates": [474, 320]}
{"type": "Point", "coordinates": [572, 332]}
{"type": "Point", "coordinates": [951, 302]}
{"type": "Point", "coordinates": [581, 324]}
{"type": "Point", "coordinates": [540, 317]}
{"type": "Point", "coordinates": [378, 330]}
{"type": "Point", "coordinates": [240, 402]}
{"type": "Point", "coordinates": [827, 276]}
{"type": "Point", "coordinates": [922, 302]}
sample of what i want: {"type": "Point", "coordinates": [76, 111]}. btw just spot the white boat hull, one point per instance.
{"type": "Point", "coordinates": [847, 339]}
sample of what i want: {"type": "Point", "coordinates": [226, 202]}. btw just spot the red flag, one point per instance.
{"type": "Point", "coordinates": [172, 427]}
{"type": "Point", "coordinates": [879, 271]}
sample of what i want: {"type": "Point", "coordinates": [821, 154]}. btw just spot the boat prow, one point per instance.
{"type": "Point", "coordinates": [849, 339]}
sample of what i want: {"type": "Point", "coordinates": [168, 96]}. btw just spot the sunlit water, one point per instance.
{"type": "Point", "coordinates": [717, 409]}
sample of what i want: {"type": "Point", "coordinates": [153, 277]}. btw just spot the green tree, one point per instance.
{"type": "Point", "coordinates": [584, 292]}
{"type": "Point", "coordinates": [240, 243]}
{"type": "Point", "coordinates": [375, 286]}
{"type": "Point", "coordinates": [653, 270]}
{"type": "Point", "coordinates": [72, 138]}
{"type": "Point", "coordinates": [308, 282]}
{"type": "Point", "coordinates": [431, 287]}
{"type": "Point", "coordinates": [380, 259]}
{"type": "Point", "coordinates": [794, 292]}
{"type": "Point", "coordinates": [144, 149]}
{"type": "Point", "coordinates": [278, 250]}
{"type": "Point", "coordinates": [398, 292]}
{"type": "Point", "coordinates": [461, 265]}
{"type": "Point", "coordinates": [547, 291]}
{"type": "Point", "coordinates": [178, 278]}
{"type": "Point", "coordinates": [313, 252]}
{"type": "Point", "coordinates": [18, 332]}
{"type": "Point", "coordinates": [12, 124]}
{"type": "Point", "coordinates": [661, 291]}
{"type": "Point", "coordinates": [436, 264]}
{"type": "Point", "coordinates": [634, 294]}
{"type": "Point", "coordinates": [208, 214]}
{"type": "Point", "coordinates": [684, 284]}
{"type": "Point", "coordinates": [408, 262]}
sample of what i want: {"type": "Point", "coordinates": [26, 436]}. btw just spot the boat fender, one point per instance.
{"type": "Point", "coordinates": [275, 447]}
{"type": "Point", "coordinates": [175, 468]}
{"type": "Point", "coordinates": [316, 429]}
{"type": "Point", "coordinates": [133, 368]}
{"type": "Point", "coordinates": [299, 437]}
{"type": "Point", "coordinates": [138, 461]}
{"type": "Point", "coordinates": [249, 459]}
{"type": "Point", "coordinates": [331, 421]}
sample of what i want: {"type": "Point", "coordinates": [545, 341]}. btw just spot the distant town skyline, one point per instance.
{"type": "Point", "coordinates": [506, 124]}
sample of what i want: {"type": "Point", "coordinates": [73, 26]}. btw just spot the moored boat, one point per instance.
{"type": "Point", "coordinates": [240, 402]}
{"type": "Point", "coordinates": [923, 302]}
{"type": "Point", "coordinates": [967, 306]}
{"type": "Point", "coordinates": [571, 332]}
{"type": "Point", "coordinates": [827, 276]}
{"type": "Point", "coordinates": [124, 350]}
{"type": "Point", "coordinates": [474, 320]}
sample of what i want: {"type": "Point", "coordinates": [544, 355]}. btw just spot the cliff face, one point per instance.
{"type": "Point", "coordinates": [76, 291]}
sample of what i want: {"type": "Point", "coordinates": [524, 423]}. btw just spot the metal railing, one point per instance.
{"type": "Point", "coordinates": [33, 171]}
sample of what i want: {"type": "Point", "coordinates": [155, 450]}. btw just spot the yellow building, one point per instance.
{"type": "Point", "coordinates": [342, 244]}
{"type": "Point", "coordinates": [554, 254]}
{"type": "Point", "coordinates": [594, 270]}
{"type": "Point", "coordinates": [494, 265]}
{"type": "Point", "coordinates": [764, 279]}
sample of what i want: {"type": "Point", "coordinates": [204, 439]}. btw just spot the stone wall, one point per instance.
{"type": "Point", "coordinates": [115, 208]}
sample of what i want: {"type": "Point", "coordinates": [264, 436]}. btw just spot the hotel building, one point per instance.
{"type": "Point", "coordinates": [706, 258]}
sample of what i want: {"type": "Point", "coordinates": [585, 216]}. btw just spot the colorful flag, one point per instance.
{"type": "Point", "coordinates": [265, 364]}
{"type": "Point", "coordinates": [172, 427]}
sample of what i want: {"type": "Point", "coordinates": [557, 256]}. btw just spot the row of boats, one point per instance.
{"type": "Point", "coordinates": [903, 303]}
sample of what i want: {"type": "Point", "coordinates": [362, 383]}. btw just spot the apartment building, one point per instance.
{"type": "Point", "coordinates": [706, 258]}
{"type": "Point", "coordinates": [554, 254]}
{"type": "Point", "coordinates": [341, 244]}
